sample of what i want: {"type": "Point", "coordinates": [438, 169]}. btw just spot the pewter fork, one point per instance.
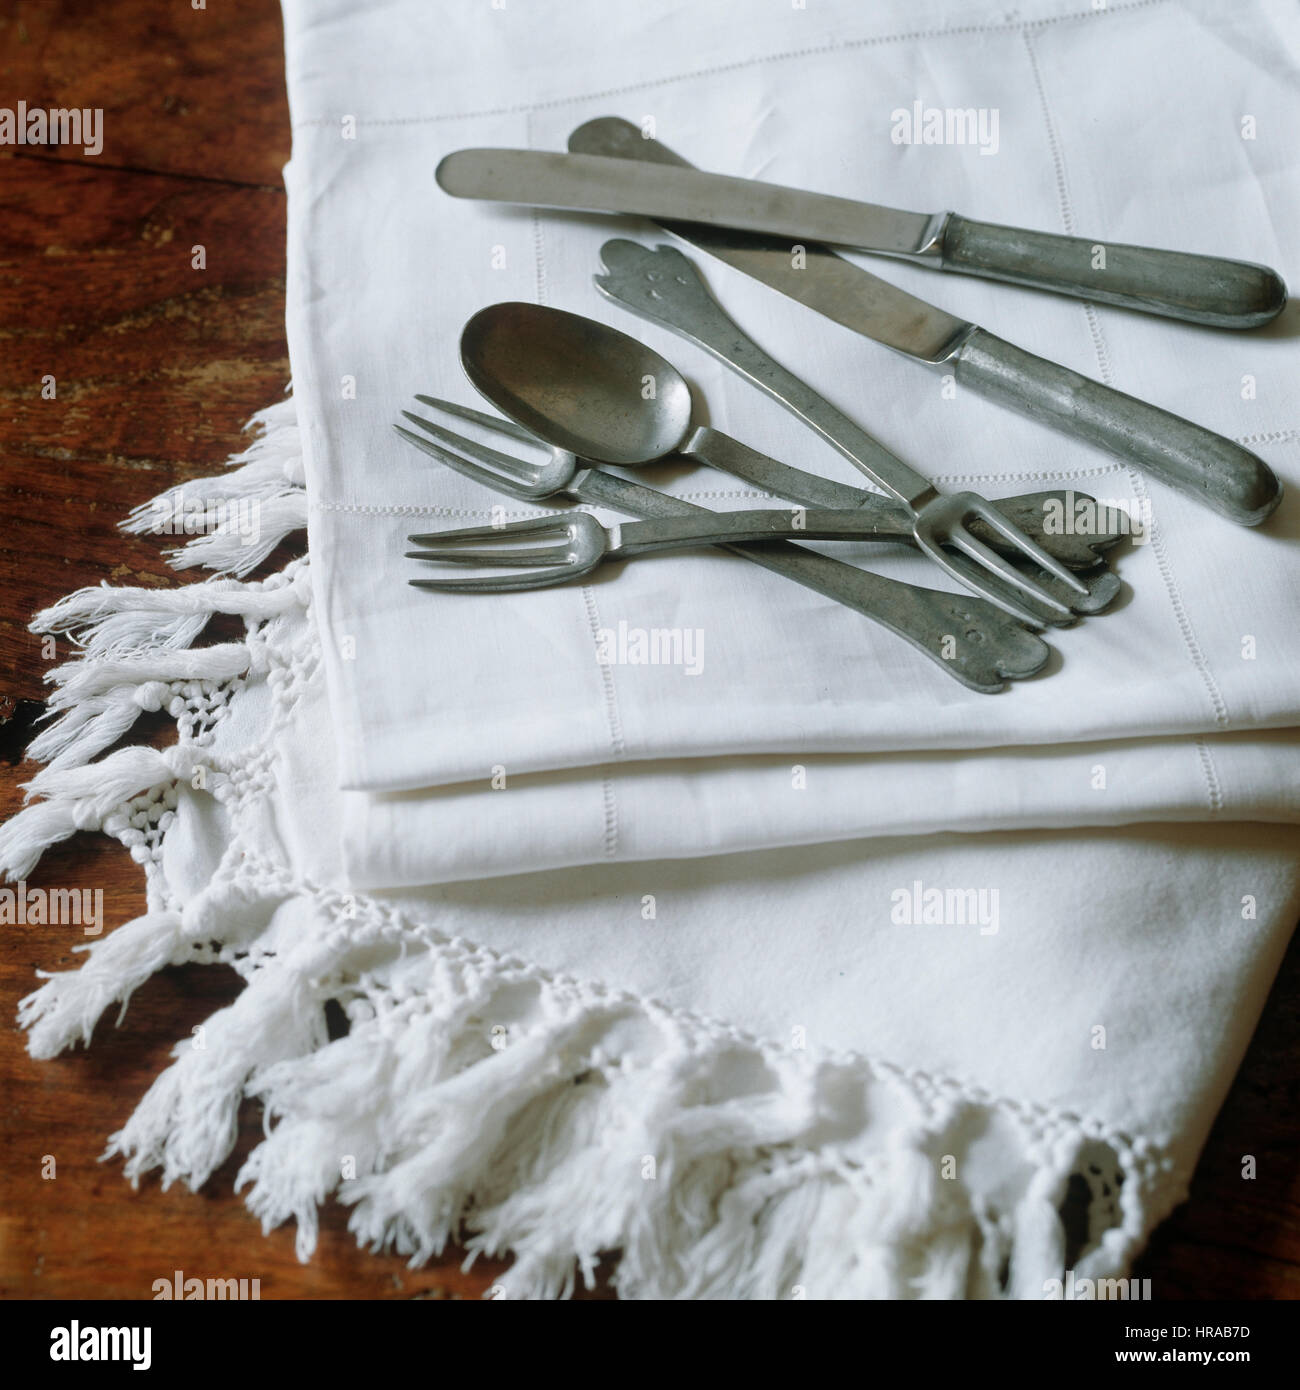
{"type": "Point", "coordinates": [573, 546]}
{"type": "Point", "coordinates": [662, 285]}
{"type": "Point", "coordinates": [972, 640]}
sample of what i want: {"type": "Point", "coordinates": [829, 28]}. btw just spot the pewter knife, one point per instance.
{"type": "Point", "coordinates": [1214, 470]}
{"type": "Point", "coordinates": [1177, 284]}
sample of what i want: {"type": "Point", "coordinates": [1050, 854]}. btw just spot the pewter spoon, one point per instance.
{"type": "Point", "coordinates": [597, 393]}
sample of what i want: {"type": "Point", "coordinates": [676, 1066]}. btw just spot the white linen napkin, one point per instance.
{"type": "Point", "coordinates": [1092, 137]}
{"type": "Point", "coordinates": [704, 806]}
{"type": "Point", "coordinates": [953, 1065]}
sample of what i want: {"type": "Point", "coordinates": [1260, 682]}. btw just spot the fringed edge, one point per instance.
{"type": "Point", "coordinates": [136, 643]}
{"type": "Point", "coordinates": [267, 475]}
{"type": "Point", "coordinates": [98, 699]}
{"type": "Point", "coordinates": [119, 623]}
{"type": "Point", "coordinates": [86, 798]}
{"type": "Point", "coordinates": [69, 1005]}
{"type": "Point", "coordinates": [479, 1101]}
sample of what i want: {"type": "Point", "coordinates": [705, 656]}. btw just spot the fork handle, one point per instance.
{"type": "Point", "coordinates": [1214, 470]}
{"type": "Point", "coordinates": [759, 524]}
{"type": "Point", "coordinates": [969, 638]}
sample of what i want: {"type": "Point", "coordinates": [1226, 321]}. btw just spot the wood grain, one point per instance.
{"type": "Point", "coordinates": [157, 366]}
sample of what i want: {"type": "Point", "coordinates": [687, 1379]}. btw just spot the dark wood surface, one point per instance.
{"type": "Point", "coordinates": [158, 366]}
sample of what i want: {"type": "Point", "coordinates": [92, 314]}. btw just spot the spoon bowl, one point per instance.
{"type": "Point", "coordinates": [576, 383]}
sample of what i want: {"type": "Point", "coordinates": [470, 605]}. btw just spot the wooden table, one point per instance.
{"type": "Point", "coordinates": [157, 366]}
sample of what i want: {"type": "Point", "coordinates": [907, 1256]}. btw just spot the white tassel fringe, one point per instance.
{"type": "Point", "coordinates": [269, 477]}
{"type": "Point", "coordinates": [83, 798]}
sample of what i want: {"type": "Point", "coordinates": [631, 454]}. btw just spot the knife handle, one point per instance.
{"type": "Point", "coordinates": [1178, 284]}
{"type": "Point", "coordinates": [1214, 470]}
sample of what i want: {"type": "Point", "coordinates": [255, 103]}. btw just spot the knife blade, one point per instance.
{"type": "Point", "coordinates": [1200, 289]}
{"type": "Point", "coordinates": [1215, 471]}
{"type": "Point", "coordinates": [836, 288]}
{"type": "Point", "coordinates": [590, 183]}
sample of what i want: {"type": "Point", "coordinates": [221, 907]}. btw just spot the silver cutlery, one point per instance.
{"type": "Point", "coordinates": [664, 287]}
{"type": "Point", "coordinates": [890, 520]}
{"type": "Point", "coordinates": [583, 386]}
{"type": "Point", "coordinates": [1177, 284]}
{"type": "Point", "coordinates": [1216, 471]}
{"type": "Point", "coordinates": [972, 640]}
{"type": "Point", "coordinates": [875, 518]}
{"type": "Point", "coordinates": [574, 545]}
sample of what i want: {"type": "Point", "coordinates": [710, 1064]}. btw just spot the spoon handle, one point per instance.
{"type": "Point", "coordinates": [969, 638]}
{"type": "Point", "coordinates": [664, 287]}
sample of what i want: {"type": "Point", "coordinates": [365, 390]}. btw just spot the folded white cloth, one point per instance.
{"type": "Point", "coordinates": [506, 688]}
{"type": "Point", "coordinates": [912, 1065]}
{"type": "Point", "coordinates": [696, 807]}
{"type": "Point", "coordinates": [1092, 137]}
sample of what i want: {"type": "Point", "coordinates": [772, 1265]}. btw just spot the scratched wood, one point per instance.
{"type": "Point", "coordinates": [157, 366]}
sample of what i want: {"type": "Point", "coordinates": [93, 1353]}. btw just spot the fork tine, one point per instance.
{"type": "Point", "coordinates": [534, 526]}
{"type": "Point", "coordinates": [498, 584]}
{"type": "Point", "coordinates": [509, 464]}
{"type": "Point", "coordinates": [976, 578]}
{"type": "Point", "coordinates": [479, 417]}
{"type": "Point", "coordinates": [973, 577]}
{"type": "Point", "coordinates": [1005, 570]}
{"type": "Point", "coordinates": [993, 518]}
{"type": "Point", "coordinates": [455, 461]}
{"type": "Point", "coordinates": [529, 555]}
